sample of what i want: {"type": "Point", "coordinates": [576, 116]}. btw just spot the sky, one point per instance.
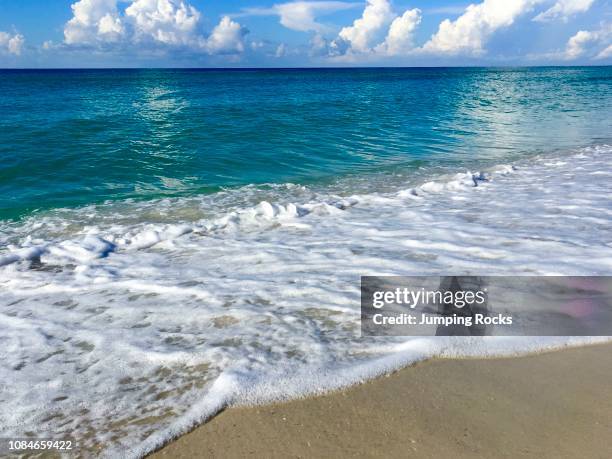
{"type": "Point", "coordinates": [317, 33]}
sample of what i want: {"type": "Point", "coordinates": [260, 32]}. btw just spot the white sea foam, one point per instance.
{"type": "Point", "coordinates": [124, 324]}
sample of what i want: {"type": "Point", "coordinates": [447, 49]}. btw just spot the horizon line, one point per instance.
{"type": "Point", "coordinates": [314, 67]}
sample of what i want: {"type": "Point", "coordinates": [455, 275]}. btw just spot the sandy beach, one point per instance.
{"type": "Point", "coordinates": [557, 404]}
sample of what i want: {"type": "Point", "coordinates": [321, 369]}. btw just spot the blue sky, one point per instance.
{"type": "Point", "coordinates": [234, 33]}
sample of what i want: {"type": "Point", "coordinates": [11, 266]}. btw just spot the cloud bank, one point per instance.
{"type": "Point", "coordinates": [170, 23]}
{"type": "Point", "coordinates": [161, 29]}
{"type": "Point", "coordinates": [11, 43]}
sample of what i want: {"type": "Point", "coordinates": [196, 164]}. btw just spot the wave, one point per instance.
{"type": "Point", "coordinates": [126, 324]}
{"type": "Point", "coordinates": [261, 216]}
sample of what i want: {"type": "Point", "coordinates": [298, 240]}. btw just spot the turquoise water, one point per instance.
{"type": "Point", "coordinates": [75, 137]}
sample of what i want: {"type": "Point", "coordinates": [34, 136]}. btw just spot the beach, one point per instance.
{"type": "Point", "coordinates": [552, 405]}
{"type": "Point", "coordinates": [189, 241]}
{"type": "Point", "coordinates": [306, 229]}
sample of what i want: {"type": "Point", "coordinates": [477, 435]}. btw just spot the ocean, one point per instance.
{"type": "Point", "coordinates": [173, 242]}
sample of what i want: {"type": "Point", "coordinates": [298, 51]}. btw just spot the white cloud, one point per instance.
{"type": "Point", "coordinates": [366, 31]}
{"type": "Point", "coordinates": [93, 21]}
{"type": "Point", "coordinates": [300, 15]}
{"type": "Point", "coordinates": [379, 32]}
{"type": "Point", "coordinates": [564, 9]}
{"type": "Point", "coordinates": [149, 22]}
{"type": "Point", "coordinates": [469, 32]}
{"type": "Point", "coordinates": [400, 37]}
{"type": "Point", "coordinates": [281, 50]}
{"type": "Point", "coordinates": [11, 43]}
{"type": "Point", "coordinates": [586, 42]}
{"type": "Point", "coordinates": [605, 53]}
{"type": "Point", "coordinates": [322, 47]}
{"type": "Point", "coordinates": [318, 44]}
{"type": "Point", "coordinates": [226, 38]}
{"type": "Point", "coordinates": [166, 21]}
{"type": "Point", "coordinates": [110, 26]}
{"type": "Point", "coordinates": [576, 44]}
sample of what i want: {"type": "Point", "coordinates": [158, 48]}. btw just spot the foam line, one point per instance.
{"type": "Point", "coordinates": [136, 320]}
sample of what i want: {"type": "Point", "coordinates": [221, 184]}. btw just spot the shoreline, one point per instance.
{"type": "Point", "coordinates": [552, 404]}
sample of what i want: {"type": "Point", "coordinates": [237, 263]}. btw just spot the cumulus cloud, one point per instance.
{"type": "Point", "coordinates": [469, 32]}
{"type": "Point", "coordinates": [153, 22]}
{"type": "Point", "coordinates": [564, 9]}
{"type": "Point", "coordinates": [226, 38]}
{"type": "Point", "coordinates": [366, 31]}
{"type": "Point", "coordinates": [379, 32]}
{"type": "Point", "coordinates": [576, 44]}
{"type": "Point", "coordinates": [164, 21]}
{"type": "Point", "coordinates": [466, 35]}
{"type": "Point", "coordinates": [301, 15]}
{"type": "Point", "coordinates": [11, 43]}
{"type": "Point", "coordinates": [93, 21]}
{"type": "Point", "coordinates": [585, 43]}
{"type": "Point", "coordinates": [400, 37]}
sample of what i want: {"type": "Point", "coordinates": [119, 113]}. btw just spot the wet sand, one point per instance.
{"type": "Point", "coordinates": [553, 405]}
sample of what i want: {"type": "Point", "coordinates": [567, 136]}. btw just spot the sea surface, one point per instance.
{"type": "Point", "coordinates": [173, 242]}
